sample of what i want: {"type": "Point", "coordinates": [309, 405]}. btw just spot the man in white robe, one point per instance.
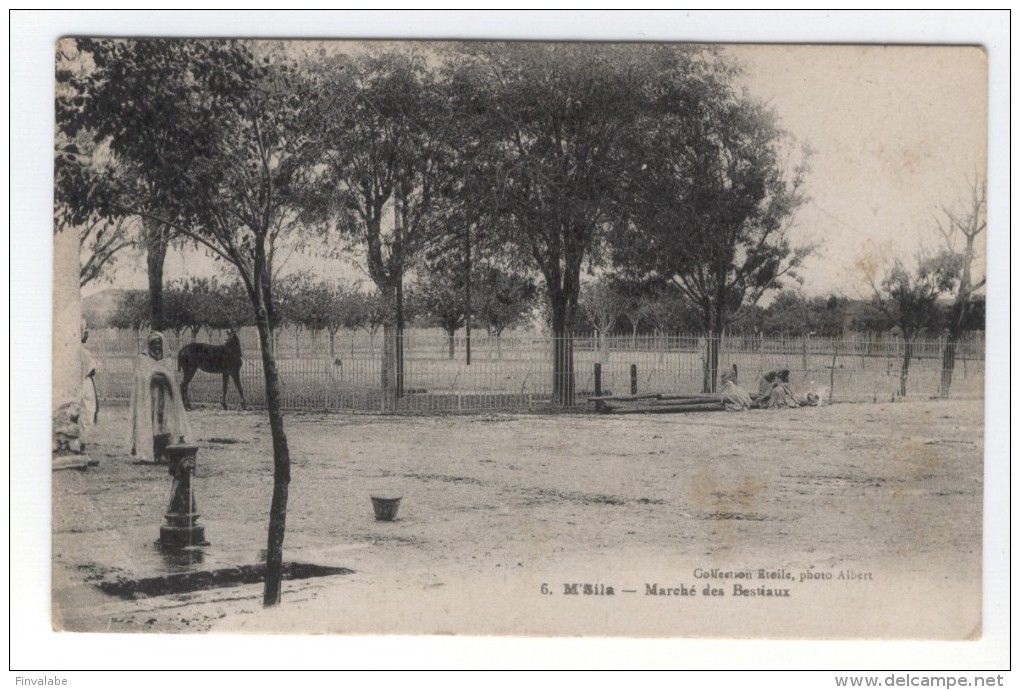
{"type": "Point", "coordinates": [157, 411]}
{"type": "Point", "coordinates": [88, 399]}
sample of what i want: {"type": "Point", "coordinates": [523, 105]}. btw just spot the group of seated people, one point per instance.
{"type": "Point", "coordinates": [774, 391]}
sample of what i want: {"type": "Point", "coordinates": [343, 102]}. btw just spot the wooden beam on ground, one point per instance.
{"type": "Point", "coordinates": [665, 409]}
{"type": "Point", "coordinates": [691, 398]}
{"type": "Point", "coordinates": [688, 403]}
{"type": "Point", "coordinates": [624, 398]}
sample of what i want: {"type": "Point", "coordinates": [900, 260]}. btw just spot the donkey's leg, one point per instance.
{"type": "Point", "coordinates": [226, 377]}
{"type": "Point", "coordinates": [236, 375]}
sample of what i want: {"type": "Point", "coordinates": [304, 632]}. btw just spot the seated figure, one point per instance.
{"type": "Point", "coordinates": [775, 390]}
{"type": "Point", "coordinates": [157, 413]}
{"type": "Point", "coordinates": [734, 397]}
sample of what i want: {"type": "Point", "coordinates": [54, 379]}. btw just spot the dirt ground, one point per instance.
{"type": "Point", "coordinates": [839, 521]}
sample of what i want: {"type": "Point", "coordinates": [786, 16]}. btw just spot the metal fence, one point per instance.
{"type": "Point", "coordinates": [343, 372]}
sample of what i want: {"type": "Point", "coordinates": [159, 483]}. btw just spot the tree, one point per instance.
{"type": "Point", "coordinates": [965, 223]}
{"type": "Point", "coordinates": [716, 192]}
{"type": "Point", "coordinates": [95, 178]}
{"type": "Point", "coordinates": [340, 305]}
{"type": "Point", "coordinates": [551, 123]}
{"type": "Point", "coordinates": [325, 307]}
{"type": "Point", "coordinates": [196, 303]}
{"type": "Point", "coordinates": [788, 315]}
{"type": "Point", "coordinates": [364, 310]}
{"type": "Point", "coordinates": [864, 318]}
{"type": "Point", "coordinates": [380, 131]}
{"type": "Point", "coordinates": [653, 304]}
{"type": "Point", "coordinates": [506, 298]}
{"type": "Point", "coordinates": [794, 314]}
{"type": "Point", "coordinates": [292, 305]}
{"type": "Point", "coordinates": [222, 306]}
{"type": "Point", "coordinates": [155, 238]}
{"type": "Point", "coordinates": [212, 130]}
{"type": "Point", "coordinates": [439, 298]}
{"type": "Point", "coordinates": [132, 311]}
{"type": "Point", "coordinates": [180, 313]}
{"type": "Point", "coordinates": [100, 242]}
{"type": "Point", "coordinates": [830, 319]}
{"type": "Point", "coordinates": [601, 305]}
{"type": "Point", "coordinates": [315, 306]}
{"type": "Point", "coordinates": [472, 227]}
{"type": "Point", "coordinates": [909, 299]}
{"type": "Point", "coordinates": [100, 238]}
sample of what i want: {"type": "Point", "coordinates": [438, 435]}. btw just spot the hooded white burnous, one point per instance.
{"type": "Point", "coordinates": [157, 410]}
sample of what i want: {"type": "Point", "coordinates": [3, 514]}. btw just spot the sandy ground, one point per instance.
{"type": "Point", "coordinates": [861, 520]}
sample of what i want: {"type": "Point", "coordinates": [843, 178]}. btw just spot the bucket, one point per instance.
{"type": "Point", "coordinates": [385, 508]}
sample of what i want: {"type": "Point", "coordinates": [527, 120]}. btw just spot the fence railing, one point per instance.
{"type": "Point", "coordinates": [516, 371]}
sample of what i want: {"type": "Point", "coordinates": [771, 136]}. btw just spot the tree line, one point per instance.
{"type": "Point", "coordinates": [196, 304]}
{"type": "Point", "coordinates": [606, 308]}
{"type": "Point", "coordinates": [610, 307]}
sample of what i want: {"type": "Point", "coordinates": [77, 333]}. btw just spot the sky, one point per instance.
{"type": "Point", "coordinates": [896, 132]}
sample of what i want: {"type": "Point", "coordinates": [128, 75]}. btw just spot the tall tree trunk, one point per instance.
{"type": "Point", "coordinates": [389, 368]}
{"type": "Point", "coordinates": [155, 257]}
{"type": "Point", "coordinates": [710, 352]}
{"type": "Point", "coordinates": [712, 360]}
{"type": "Point", "coordinates": [706, 368]}
{"type": "Point", "coordinates": [467, 297]}
{"type": "Point", "coordinates": [718, 325]}
{"type": "Point", "coordinates": [397, 273]}
{"type": "Point", "coordinates": [399, 337]}
{"type": "Point", "coordinates": [563, 353]}
{"type": "Point", "coordinates": [958, 318]}
{"type": "Point", "coordinates": [281, 465]}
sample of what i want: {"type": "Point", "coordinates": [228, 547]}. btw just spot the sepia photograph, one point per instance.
{"type": "Point", "coordinates": [642, 339]}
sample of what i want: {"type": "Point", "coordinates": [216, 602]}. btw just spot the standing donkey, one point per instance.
{"type": "Point", "coordinates": [216, 359]}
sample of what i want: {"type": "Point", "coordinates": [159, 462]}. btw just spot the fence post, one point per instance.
{"type": "Point", "coordinates": [598, 387]}
{"type": "Point", "coordinates": [633, 379]}
{"type": "Point", "coordinates": [832, 372]}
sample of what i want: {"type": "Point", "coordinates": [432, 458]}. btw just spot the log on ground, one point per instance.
{"type": "Point", "coordinates": [664, 409]}
{"type": "Point", "coordinates": [624, 398]}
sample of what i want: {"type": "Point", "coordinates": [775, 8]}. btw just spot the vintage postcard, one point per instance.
{"type": "Point", "coordinates": [653, 340]}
